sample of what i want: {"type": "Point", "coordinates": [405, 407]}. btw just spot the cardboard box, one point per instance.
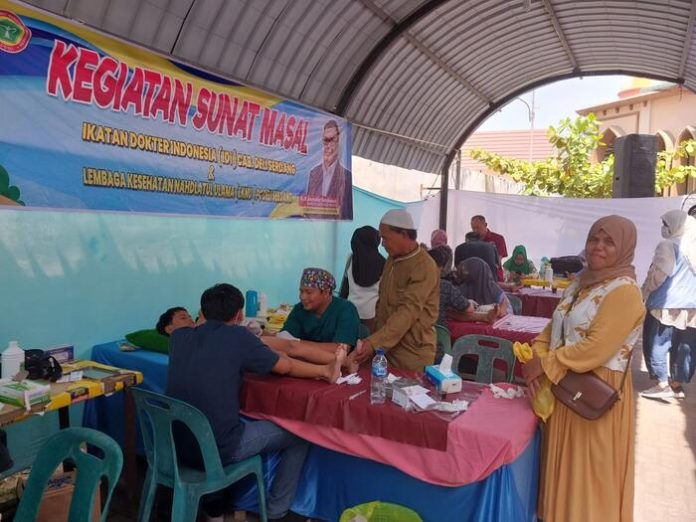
{"type": "Point", "coordinates": [55, 503]}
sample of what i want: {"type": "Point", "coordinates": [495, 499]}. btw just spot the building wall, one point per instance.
{"type": "Point", "coordinates": [411, 185]}
{"type": "Point", "coordinates": [666, 113]}
{"type": "Point", "coordinates": [673, 113]}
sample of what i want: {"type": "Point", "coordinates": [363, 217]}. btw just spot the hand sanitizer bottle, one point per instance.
{"type": "Point", "coordinates": [12, 359]}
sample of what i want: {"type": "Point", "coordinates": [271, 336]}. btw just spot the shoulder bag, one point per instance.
{"type": "Point", "coordinates": [585, 393]}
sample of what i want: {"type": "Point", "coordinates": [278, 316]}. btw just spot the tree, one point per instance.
{"type": "Point", "coordinates": [569, 172]}
{"type": "Point", "coordinates": [8, 192]}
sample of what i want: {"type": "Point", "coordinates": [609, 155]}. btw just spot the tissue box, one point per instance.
{"type": "Point", "coordinates": [445, 382]}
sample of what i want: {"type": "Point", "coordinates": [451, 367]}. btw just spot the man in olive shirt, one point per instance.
{"type": "Point", "coordinates": [409, 297]}
{"type": "Point", "coordinates": [321, 317]}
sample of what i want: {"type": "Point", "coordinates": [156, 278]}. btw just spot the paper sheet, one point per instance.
{"type": "Point", "coordinates": [446, 364]}
{"type": "Point", "coordinates": [421, 400]}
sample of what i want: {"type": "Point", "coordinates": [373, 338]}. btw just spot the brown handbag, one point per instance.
{"type": "Point", "coordinates": [585, 393]}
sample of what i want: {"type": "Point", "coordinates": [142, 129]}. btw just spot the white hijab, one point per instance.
{"type": "Point", "coordinates": [680, 227]}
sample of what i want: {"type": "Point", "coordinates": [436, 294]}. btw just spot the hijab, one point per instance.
{"type": "Point", "coordinates": [479, 283]}
{"type": "Point", "coordinates": [510, 264]}
{"type": "Point", "coordinates": [438, 238]}
{"type": "Point", "coordinates": [623, 232]}
{"type": "Point", "coordinates": [679, 227]}
{"type": "Point", "coordinates": [367, 262]}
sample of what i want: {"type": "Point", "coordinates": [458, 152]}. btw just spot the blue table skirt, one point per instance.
{"type": "Point", "coordinates": [332, 481]}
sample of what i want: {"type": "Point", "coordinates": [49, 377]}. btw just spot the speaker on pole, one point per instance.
{"type": "Point", "coordinates": [635, 156]}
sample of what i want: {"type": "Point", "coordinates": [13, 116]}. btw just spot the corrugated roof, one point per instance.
{"type": "Point", "coordinates": [415, 76]}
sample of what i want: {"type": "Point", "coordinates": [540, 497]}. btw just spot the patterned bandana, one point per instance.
{"type": "Point", "coordinates": [317, 278]}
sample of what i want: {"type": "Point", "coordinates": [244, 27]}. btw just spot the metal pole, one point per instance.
{"type": "Point", "coordinates": [444, 186]}
{"type": "Point", "coordinates": [531, 132]}
{"type": "Point", "coordinates": [458, 173]}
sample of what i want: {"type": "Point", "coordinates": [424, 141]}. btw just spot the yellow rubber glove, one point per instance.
{"type": "Point", "coordinates": [544, 401]}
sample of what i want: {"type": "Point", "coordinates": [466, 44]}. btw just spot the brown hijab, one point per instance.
{"type": "Point", "coordinates": [623, 232]}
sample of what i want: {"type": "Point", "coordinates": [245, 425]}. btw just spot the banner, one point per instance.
{"type": "Point", "coordinates": [88, 122]}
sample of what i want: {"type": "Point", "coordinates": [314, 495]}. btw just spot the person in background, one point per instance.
{"type": "Point", "coordinates": [587, 466]}
{"type": "Point", "coordinates": [452, 295]}
{"type": "Point", "coordinates": [451, 298]}
{"type": "Point", "coordinates": [175, 317]}
{"type": "Point", "coordinates": [670, 294]}
{"type": "Point", "coordinates": [479, 284]}
{"type": "Point", "coordinates": [479, 225]}
{"type": "Point", "coordinates": [206, 366]}
{"type": "Point", "coordinates": [409, 296]}
{"type": "Point", "coordinates": [363, 270]}
{"type": "Point", "coordinates": [320, 317]}
{"type": "Point", "coordinates": [519, 265]}
{"type": "Point", "coordinates": [438, 240]}
{"type": "Point", "coordinates": [474, 247]}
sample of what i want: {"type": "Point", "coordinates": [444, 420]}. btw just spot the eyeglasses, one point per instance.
{"type": "Point", "coordinates": [330, 140]}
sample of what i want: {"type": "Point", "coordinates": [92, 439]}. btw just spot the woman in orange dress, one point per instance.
{"type": "Point", "coordinates": [588, 465]}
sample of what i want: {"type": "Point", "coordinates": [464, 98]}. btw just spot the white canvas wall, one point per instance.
{"type": "Point", "coordinates": [546, 226]}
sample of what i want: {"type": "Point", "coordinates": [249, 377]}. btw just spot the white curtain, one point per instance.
{"type": "Point", "coordinates": [546, 226]}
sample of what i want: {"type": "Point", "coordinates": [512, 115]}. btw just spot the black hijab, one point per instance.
{"type": "Point", "coordinates": [479, 283]}
{"type": "Point", "coordinates": [367, 261]}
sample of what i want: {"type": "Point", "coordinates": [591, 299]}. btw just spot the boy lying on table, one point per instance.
{"type": "Point", "coordinates": [206, 365]}
{"type": "Point", "coordinates": [178, 317]}
{"type": "Point", "coordinates": [175, 317]}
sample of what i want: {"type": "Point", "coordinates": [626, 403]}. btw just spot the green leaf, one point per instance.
{"type": "Point", "coordinates": [4, 180]}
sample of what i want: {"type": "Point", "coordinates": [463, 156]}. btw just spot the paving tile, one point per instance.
{"type": "Point", "coordinates": [665, 483]}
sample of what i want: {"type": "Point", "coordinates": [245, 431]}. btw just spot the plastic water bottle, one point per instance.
{"type": "Point", "coordinates": [378, 391]}
{"type": "Point", "coordinates": [12, 359]}
{"type": "Point", "coordinates": [548, 274]}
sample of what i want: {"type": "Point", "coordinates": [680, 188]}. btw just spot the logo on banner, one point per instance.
{"type": "Point", "coordinates": [14, 35]}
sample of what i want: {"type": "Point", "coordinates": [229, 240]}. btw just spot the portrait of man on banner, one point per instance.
{"type": "Point", "coordinates": [330, 186]}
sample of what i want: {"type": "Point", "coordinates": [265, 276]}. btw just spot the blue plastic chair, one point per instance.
{"type": "Point", "coordinates": [156, 414]}
{"type": "Point", "coordinates": [67, 444]}
{"type": "Point", "coordinates": [488, 348]}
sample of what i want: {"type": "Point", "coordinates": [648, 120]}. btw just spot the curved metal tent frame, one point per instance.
{"type": "Point", "coordinates": [415, 77]}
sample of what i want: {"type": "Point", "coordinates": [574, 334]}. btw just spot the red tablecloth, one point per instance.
{"type": "Point", "coordinates": [538, 302]}
{"type": "Point", "coordinates": [520, 328]}
{"type": "Point", "coordinates": [491, 433]}
{"type": "Point", "coordinates": [317, 403]}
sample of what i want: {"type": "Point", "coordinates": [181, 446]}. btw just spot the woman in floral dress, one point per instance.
{"type": "Point", "coordinates": [588, 465]}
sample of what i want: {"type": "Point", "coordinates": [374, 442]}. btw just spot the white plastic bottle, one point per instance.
{"type": "Point", "coordinates": [378, 383]}
{"type": "Point", "coordinates": [548, 274]}
{"type": "Point", "coordinates": [263, 305]}
{"type": "Point", "coordinates": [12, 359]}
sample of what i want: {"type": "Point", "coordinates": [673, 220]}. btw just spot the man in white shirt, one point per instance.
{"type": "Point", "coordinates": [330, 179]}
